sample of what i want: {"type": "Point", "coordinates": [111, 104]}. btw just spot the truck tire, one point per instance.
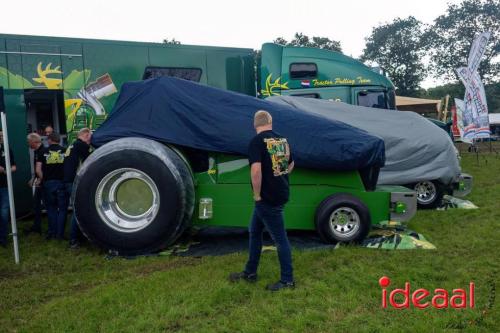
{"type": "Point", "coordinates": [133, 196]}
{"type": "Point", "coordinates": [429, 193]}
{"type": "Point", "coordinates": [342, 218]}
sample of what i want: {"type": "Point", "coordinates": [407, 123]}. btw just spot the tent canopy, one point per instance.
{"type": "Point", "coordinates": [402, 100]}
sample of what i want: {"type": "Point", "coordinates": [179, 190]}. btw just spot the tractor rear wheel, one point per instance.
{"type": "Point", "coordinates": [133, 196]}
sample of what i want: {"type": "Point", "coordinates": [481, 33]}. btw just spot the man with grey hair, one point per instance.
{"type": "Point", "coordinates": [35, 144]}
{"type": "Point", "coordinates": [270, 163]}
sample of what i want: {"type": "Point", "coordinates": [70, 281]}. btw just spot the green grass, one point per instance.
{"type": "Point", "coordinates": [55, 289]}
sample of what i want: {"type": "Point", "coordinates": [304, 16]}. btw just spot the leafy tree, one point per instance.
{"type": "Point", "coordinates": [172, 41]}
{"type": "Point", "coordinates": [303, 40]}
{"type": "Point", "coordinates": [397, 48]}
{"type": "Point", "coordinates": [450, 37]}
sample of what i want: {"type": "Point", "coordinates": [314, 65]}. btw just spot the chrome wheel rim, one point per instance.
{"type": "Point", "coordinates": [344, 222]}
{"type": "Point", "coordinates": [127, 200]}
{"type": "Point", "coordinates": [426, 192]}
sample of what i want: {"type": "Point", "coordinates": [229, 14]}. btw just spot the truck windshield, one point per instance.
{"type": "Point", "coordinates": [373, 99]}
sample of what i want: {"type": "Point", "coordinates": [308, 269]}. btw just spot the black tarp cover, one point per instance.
{"type": "Point", "coordinates": [189, 114]}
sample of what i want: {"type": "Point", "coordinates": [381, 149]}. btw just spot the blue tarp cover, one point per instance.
{"type": "Point", "coordinates": [186, 113]}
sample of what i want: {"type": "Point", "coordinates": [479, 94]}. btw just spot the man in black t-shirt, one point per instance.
{"type": "Point", "coordinates": [50, 170]}
{"type": "Point", "coordinates": [75, 155]}
{"type": "Point", "coordinates": [4, 193]}
{"type": "Point", "coordinates": [270, 163]}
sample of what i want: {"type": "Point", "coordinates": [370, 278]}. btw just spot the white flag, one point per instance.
{"type": "Point", "coordinates": [475, 109]}
{"type": "Point", "coordinates": [477, 51]}
{"type": "Point", "coordinates": [459, 109]}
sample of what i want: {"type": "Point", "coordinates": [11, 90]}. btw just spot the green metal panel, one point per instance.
{"type": "Point", "coordinates": [41, 64]}
{"type": "Point", "coordinates": [227, 183]}
{"type": "Point", "coordinates": [231, 70]}
{"type": "Point", "coordinates": [15, 65]}
{"type": "Point", "coordinates": [334, 69]}
{"type": "Point", "coordinates": [72, 67]}
{"type": "Point", "coordinates": [4, 82]}
{"type": "Point", "coordinates": [16, 120]}
{"type": "Point", "coordinates": [233, 204]}
{"type": "Point", "coordinates": [339, 94]}
{"type": "Point", "coordinates": [233, 169]}
{"type": "Point", "coordinates": [270, 70]}
{"type": "Point", "coordinates": [123, 63]}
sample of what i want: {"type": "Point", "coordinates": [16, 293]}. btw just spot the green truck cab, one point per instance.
{"type": "Point", "coordinates": [316, 73]}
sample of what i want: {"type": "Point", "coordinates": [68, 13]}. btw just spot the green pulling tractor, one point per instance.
{"type": "Point", "coordinates": [137, 195]}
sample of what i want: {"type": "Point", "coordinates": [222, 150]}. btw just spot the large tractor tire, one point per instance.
{"type": "Point", "coordinates": [133, 196]}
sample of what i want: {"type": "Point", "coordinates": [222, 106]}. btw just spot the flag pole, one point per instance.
{"type": "Point", "coordinates": [8, 171]}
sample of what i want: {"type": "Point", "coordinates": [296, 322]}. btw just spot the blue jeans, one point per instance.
{"type": "Point", "coordinates": [4, 214]}
{"type": "Point", "coordinates": [37, 207]}
{"type": "Point", "coordinates": [271, 218]}
{"type": "Point", "coordinates": [75, 233]}
{"type": "Point", "coordinates": [55, 202]}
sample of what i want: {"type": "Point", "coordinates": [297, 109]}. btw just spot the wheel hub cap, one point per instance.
{"type": "Point", "coordinates": [344, 222]}
{"type": "Point", "coordinates": [127, 200]}
{"type": "Point", "coordinates": [426, 192]}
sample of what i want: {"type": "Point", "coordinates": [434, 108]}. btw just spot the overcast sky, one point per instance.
{"type": "Point", "coordinates": [218, 22]}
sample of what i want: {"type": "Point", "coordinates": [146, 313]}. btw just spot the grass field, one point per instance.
{"type": "Point", "coordinates": [55, 289]}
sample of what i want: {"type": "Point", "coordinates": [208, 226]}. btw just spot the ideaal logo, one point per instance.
{"type": "Point", "coordinates": [420, 298]}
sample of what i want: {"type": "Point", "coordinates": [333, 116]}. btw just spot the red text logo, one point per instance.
{"type": "Point", "coordinates": [422, 298]}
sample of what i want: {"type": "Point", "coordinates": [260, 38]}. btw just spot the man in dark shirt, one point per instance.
{"type": "Point", "coordinates": [35, 143]}
{"type": "Point", "coordinates": [75, 155]}
{"type": "Point", "coordinates": [270, 163]}
{"type": "Point", "coordinates": [4, 193]}
{"type": "Point", "coordinates": [50, 170]}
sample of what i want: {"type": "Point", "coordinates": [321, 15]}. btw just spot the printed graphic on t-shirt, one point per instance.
{"type": "Point", "coordinates": [54, 157]}
{"type": "Point", "coordinates": [68, 151]}
{"type": "Point", "coordinates": [279, 151]}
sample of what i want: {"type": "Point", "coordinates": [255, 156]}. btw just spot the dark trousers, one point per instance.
{"type": "Point", "coordinates": [37, 207]}
{"type": "Point", "coordinates": [55, 202]}
{"type": "Point", "coordinates": [75, 233]}
{"type": "Point", "coordinates": [4, 214]}
{"type": "Point", "coordinates": [271, 218]}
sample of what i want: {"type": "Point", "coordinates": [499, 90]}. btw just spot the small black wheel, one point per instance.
{"type": "Point", "coordinates": [342, 218]}
{"type": "Point", "coordinates": [429, 193]}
